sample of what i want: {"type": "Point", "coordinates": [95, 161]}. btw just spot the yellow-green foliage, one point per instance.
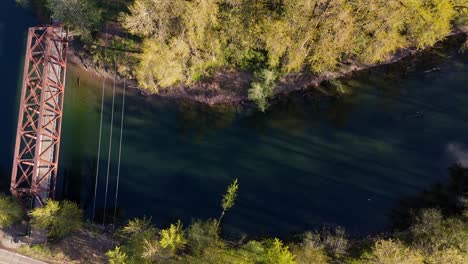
{"type": "Point", "coordinates": [83, 16]}
{"type": "Point", "coordinates": [42, 252]}
{"type": "Point", "coordinates": [392, 252]}
{"type": "Point", "coordinates": [262, 88]}
{"type": "Point", "coordinates": [186, 40]}
{"type": "Point", "coordinates": [10, 211]}
{"type": "Point", "coordinates": [116, 256]}
{"type": "Point", "coordinates": [173, 237]}
{"type": "Point", "coordinates": [311, 256]}
{"type": "Point", "coordinates": [447, 255]}
{"type": "Point", "coordinates": [432, 232]}
{"type": "Point", "coordinates": [309, 252]}
{"type": "Point", "coordinates": [277, 253]}
{"type": "Point", "coordinates": [230, 197]}
{"type": "Point", "coordinates": [59, 219]}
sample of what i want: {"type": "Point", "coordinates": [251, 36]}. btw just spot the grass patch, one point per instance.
{"type": "Point", "coordinates": [44, 253]}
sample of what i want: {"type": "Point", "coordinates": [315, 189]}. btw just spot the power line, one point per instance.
{"type": "Point", "coordinates": [120, 144]}
{"type": "Point", "coordinates": [100, 135]}
{"type": "Point", "coordinates": [110, 146]}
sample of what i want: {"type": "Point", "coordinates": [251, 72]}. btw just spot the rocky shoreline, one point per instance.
{"type": "Point", "coordinates": [230, 87]}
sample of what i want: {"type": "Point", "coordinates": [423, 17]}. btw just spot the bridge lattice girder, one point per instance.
{"type": "Point", "coordinates": [35, 162]}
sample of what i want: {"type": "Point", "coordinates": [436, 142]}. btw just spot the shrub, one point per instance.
{"type": "Point", "coordinates": [116, 256]}
{"type": "Point", "coordinates": [262, 88]}
{"type": "Point", "coordinates": [447, 256]}
{"type": "Point", "coordinates": [277, 253]}
{"type": "Point", "coordinates": [392, 252]}
{"type": "Point", "coordinates": [201, 234]}
{"type": "Point", "coordinates": [173, 237]}
{"type": "Point", "coordinates": [59, 219]}
{"type": "Point", "coordinates": [432, 232]}
{"type": "Point", "coordinates": [10, 211]}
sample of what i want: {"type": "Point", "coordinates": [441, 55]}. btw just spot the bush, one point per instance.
{"type": "Point", "coordinates": [173, 237]}
{"type": "Point", "coordinates": [116, 256]}
{"type": "Point", "coordinates": [201, 234]}
{"type": "Point", "coordinates": [277, 253]}
{"type": "Point", "coordinates": [262, 88]}
{"type": "Point", "coordinates": [432, 232]}
{"type": "Point", "coordinates": [10, 211]}
{"type": "Point", "coordinates": [392, 252]}
{"type": "Point", "coordinates": [44, 253]}
{"type": "Point", "coordinates": [309, 252]}
{"type": "Point", "coordinates": [58, 218]}
{"type": "Point", "coordinates": [447, 256]}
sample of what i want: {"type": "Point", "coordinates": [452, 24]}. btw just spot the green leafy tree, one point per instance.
{"type": "Point", "coordinates": [137, 226]}
{"type": "Point", "coordinates": [58, 218]}
{"type": "Point", "coordinates": [187, 40]}
{"type": "Point", "coordinates": [229, 198]}
{"type": "Point", "coordinates": [141, 241]}
{"type": "Point", "coordinates": [151, 250]}
{"type": "Point", "coordinates": [392, 252]}
{"type": "Point", "coordinates": [432, 232]}
{"type": "Point", "coordinates": [173, 237]}
{"type": "Point", "coordinates": [10, 211]}
{"type": "Point", "coordinates": [277, 253]}
{"type": "Point", "coordinates": [262, 88]}
{"type": "Point", "coordinates": [201, 235]}
{"type": "Point", "coordinates": [116, 256]}
{"type": "Point", "coordinates": [83, 16]}
{"type": "Point", "coordinates": [447, 255]}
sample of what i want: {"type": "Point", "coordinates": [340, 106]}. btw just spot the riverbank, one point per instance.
{"type": "Point", "coordinates": [436, 212]}
{"type": "Point", "coordinates": [88, 245]}
{"type": "Point", "coordinates": [231, 87]}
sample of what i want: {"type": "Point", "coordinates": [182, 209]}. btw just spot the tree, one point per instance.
{"type": "Point", "coordinates": [187, 40]}
{"type": "Point", "coordinates": [277, 253]}
{"type": "Point", "coordinates": [229, 199]}
{"type": "Point", "coordinates": [141, 244]}
{"type": "Point", "coordinates": [151, 249]}
{"type": "Point", "coordinates": [173, 237]}
{"type": "Point", "coordinates": [83, 16]}
{"type": "Point", "coordinates": [432, 232]}
{"type": "Point", "coordinates": [10, 211]}
{"type": "Point", "coordinates": [202, 234]}
{"type": "Point", "coordinates": [392, 252]}
{"type": "Point", "coordinates": [58, 218]}
{"type": "Point", "coordinates": [116, 256]}
{"type": "Point", "coordinates": [262, 88]}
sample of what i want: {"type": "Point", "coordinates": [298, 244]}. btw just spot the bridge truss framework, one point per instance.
{"type": "Point", "coordinates": [36, 156]}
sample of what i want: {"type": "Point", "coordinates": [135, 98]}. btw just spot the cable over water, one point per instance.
{"type": "Point", "coordinates": [120, 143]}
{"type": "Point", "coordinates": [100, 135]}
{"type": "Point", "coordinates": [110, 147]}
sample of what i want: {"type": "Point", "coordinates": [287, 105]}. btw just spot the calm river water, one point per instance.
{"type": "Point", "coordinates": [302, 164]}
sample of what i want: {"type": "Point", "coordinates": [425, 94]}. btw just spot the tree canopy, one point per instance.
{"type": "Point", "coordinates": [187, 40]}
{"type": "Point", "coordinates": [83, 16]}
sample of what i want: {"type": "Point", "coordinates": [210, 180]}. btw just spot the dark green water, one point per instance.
{"type": "Point", "coordinates": [304, 163]}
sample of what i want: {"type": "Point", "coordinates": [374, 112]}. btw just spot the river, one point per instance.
{"type": "Point", "coordinates": [306, 162]}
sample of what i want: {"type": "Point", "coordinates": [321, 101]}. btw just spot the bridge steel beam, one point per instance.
{"type": "Point", "coordinates": [36, 156]}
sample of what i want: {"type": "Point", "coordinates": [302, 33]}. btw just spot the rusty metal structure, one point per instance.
{"type": "Point", "coordinates": [36, 156]}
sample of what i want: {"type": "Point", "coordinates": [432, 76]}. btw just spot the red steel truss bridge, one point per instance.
{"type": "Point", "coordinates": [36, 156]}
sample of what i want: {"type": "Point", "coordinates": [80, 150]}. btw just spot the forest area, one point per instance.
{"type": "Point", "coordinates": [186, 42]}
